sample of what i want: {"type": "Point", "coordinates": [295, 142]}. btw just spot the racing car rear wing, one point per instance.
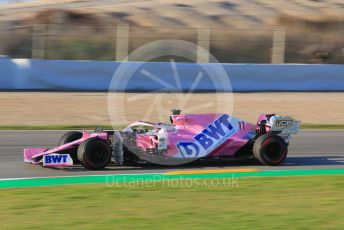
{"type": "Point", "coordinates": [283, 125]}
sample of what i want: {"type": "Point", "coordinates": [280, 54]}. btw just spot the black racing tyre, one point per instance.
{"type": "Point", "coordinates": [70, 137]}
{"type": "Point", "coordinates": [94, 154]}
{"type": "Point", "coordinates": [270, 149]}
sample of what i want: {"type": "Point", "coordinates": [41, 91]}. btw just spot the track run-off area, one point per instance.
{"type": "Point", "coordinates": [311, 152]}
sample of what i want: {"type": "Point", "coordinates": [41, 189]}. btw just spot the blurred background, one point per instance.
{"type": "Point", "coordinates": [33, 33]}
{"type": "Point", "coordinates": [235, 31]}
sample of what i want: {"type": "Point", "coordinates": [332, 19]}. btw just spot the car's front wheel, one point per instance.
{"type": "Point", "coordinates": [270, 149]}
{"type": "Point", "coordinates": [94, 153]}
{"type": "Point", "coordinates": [70, 137]}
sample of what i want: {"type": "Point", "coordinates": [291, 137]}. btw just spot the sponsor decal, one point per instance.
{"type": "Point", "coordinates": [241, 125]}
{"type": "Point", "coordinates": [284, 123]}
{"type": "Point", "coordinates": [210, 138]}
{"type": "Point", "coordinates": [57, 160]}
{"type": "Point", "coordinates": [162, 142]}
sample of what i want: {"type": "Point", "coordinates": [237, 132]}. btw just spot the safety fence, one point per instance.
{"type": "Point", "coordinates": [27, 74]}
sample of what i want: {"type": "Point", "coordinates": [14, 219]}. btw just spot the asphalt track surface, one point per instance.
{"type": "Point", "coordinates": [308, 149]}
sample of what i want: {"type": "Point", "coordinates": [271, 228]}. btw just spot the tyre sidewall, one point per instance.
{"type": "Point", "coordinates": [70, 137]}
{"type": "Point", "coordinates": [88, 148]}
{"type": "Point", "coordinates": [260, 149]}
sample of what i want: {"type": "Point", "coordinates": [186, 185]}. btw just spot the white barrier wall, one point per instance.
{"type": "Point", "coordinates": [26, 74]}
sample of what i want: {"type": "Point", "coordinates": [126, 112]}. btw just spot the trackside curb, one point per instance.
{"type": "Point", "coordinates": [127, 178]}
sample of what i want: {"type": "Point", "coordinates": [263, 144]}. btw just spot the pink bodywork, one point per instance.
{"type": "Point", "coordinates": [33, 155]}
{"type": "Point", "coordinates": [188, 126]}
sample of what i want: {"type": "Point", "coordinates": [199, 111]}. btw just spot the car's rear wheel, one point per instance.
{"type": "Point", "coordinates": [68, 138]}
{"type": "Point", "coordinates": [94, 154]}
{"type": "Point", "coordinates": [270, 149]}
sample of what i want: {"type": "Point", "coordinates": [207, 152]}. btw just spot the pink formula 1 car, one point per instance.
{"type": "Point", "coordinates": [189, 137]}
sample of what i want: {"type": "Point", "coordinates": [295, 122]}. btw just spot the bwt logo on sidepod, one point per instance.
{"type": "Point", "coordinates": [57, 160]}
{"type": "Point", "coordinates": [210, 138]}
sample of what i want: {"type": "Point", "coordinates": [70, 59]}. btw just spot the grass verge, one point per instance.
{"type": "Point", "coordinates": [313, 202]}
{"type": "Point", "coordinates": [91, 127]}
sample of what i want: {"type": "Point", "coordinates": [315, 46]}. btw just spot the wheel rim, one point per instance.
{"type": "Point", "coordinates": [274, 151]}
{"type": "Point", "coordinates": [98, 154]}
